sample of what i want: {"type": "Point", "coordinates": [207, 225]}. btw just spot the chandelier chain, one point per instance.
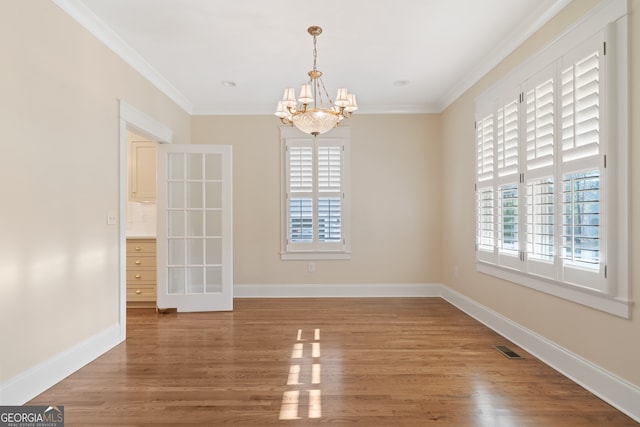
{"type": "Point", "coordinates": [318, 85]}
{"type": "Point", "coordinates": [315, 52]}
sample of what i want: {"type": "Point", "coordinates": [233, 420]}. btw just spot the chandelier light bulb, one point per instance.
{"type": "Point", "coordinates": [306, 97]}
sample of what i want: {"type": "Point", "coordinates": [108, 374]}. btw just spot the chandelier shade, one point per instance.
{"type": "Point", "coordinates": [314, 112]}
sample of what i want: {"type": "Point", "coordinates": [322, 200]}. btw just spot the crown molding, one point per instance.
{"type": "Point", "coordinates": [497, 55]}
{"type": "Point", "coordinates": [90, 21]}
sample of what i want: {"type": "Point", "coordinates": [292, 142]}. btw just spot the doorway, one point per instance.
{"type": "Point", "coordinates": [141, 229]}
{"type": "Point", "coordinates": [134, 122]}
{"type": "Point", "coordinates": [194, 230]}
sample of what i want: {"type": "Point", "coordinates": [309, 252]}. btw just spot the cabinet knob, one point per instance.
{"type": "Point", "coordinates": [138, 262]}
{"type": "Point", "coordinates": [138, 248]}
{"type": "Point", "coordinates": [138, 276]}
{"type": "Point", "coordinates": [138, 292]}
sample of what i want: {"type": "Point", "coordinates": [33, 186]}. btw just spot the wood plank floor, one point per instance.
{"type": "Point", "coordinates": [375, 362]}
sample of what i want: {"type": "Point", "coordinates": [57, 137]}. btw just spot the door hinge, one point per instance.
{"type": "Point", "coordinates": [604, 48]}
{"type": "Point", "coordinates": [605, 271]}
{"type": "Point", "coordinates": [475, 125]}
{"type": "Point", "coordinates": [605, 161]}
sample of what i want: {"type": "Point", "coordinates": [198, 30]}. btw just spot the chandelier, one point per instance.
{"type": "Point", "coordinates": [314, 112]}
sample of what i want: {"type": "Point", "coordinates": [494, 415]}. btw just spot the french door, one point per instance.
{"type": "Point", "coordinates": [195, 251]}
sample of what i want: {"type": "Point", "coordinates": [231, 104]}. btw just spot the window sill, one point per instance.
{"type": "Point", "coordinates": [593, 299]}
{"type": "Point", "coordinates": [315, 255]}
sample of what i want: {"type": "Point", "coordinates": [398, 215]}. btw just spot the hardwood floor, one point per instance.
{"type": "Point", "coordinates": [375, 361]}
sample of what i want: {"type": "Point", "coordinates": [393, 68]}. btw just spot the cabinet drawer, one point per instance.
{"type": "Point", "coordinates": [141, 293]}
{"type": "Point", "coordinates": [141, 276]}
{"type": "Point", "coordinates": [141, 247]}
{"type": "Point", "coordinates": [134, 262]}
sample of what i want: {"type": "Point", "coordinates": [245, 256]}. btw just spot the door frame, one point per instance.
{"type": "Point", "coordinates": [131, 119]}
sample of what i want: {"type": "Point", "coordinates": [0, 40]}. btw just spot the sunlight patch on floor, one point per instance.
{"type": "Point", "coordinates": [291, 398]}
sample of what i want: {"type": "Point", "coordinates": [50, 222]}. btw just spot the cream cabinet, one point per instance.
{"type": "Point", "coordinates": [141, 273]}
{"type": "Point", "coordinates": [142, 169]}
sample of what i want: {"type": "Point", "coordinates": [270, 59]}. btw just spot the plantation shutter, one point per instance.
{"type": "Point", "coordinates": [507, 136]}
{"type": "Point", "coordinates": [583, 178]}
{"type": "Point", "coordinates": [485, 220]}
{"type": "Point", "coordinates": [540, 95]}
{"type": "Point", "coordinates": [300, 191]}
{"type": "Point", "coordinates": [330, 193]}
{"type": "Point", "coordinates": [300, 169]}
{"type": "Point", "coordinates": [540, 125]}
{"type": "Point", "coordinates": [507, 178]}
{"type": "Point", "coordinates": [508, 231]}
{"type": "Point", "coordinates": [484, 144]}
{"type": "Point", "coordinates": [485, 191]}
{"type": "Point", "coordinates": [581, 109]}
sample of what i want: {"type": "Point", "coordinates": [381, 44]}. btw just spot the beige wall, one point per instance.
{"type": "Point", "coordinates": [606, 340]}
{"type": "Point", "coordinates": [395, 190]}
{"type": "Point", "coordinates": [58, 177]}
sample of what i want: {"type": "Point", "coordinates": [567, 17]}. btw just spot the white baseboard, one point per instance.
{"type": "Point", "coordinates": [617, 392]}
{"type": "Point", "coordinates": [25, 386]}
{"type": "Point", "coordinates": [337, 290]}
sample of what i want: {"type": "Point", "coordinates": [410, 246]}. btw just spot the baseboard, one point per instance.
{"type": "Point", "coordinates": [617, 392]}
{"type": "Point", "coordinates": [25, 386]}
{"type": "Point", "coordinates": [337, 290]}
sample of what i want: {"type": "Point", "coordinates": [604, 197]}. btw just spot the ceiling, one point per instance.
{"type": "Point", "coordinates": [398, 56]}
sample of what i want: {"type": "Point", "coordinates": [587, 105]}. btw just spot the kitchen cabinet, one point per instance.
{"type": "Point", "coordinates": [141, 169]}
{"type": "Point", "coordinates": [141, 273]}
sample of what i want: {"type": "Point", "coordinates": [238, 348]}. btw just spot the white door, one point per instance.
{"type": "Point", "coordinates": [195, 258]}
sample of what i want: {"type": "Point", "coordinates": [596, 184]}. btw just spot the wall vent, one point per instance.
{"type": "Point", "coordinates": [507, 352]}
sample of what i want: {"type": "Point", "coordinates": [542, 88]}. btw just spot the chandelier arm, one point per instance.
{"type": "Point", "coordinates": [286, 121]}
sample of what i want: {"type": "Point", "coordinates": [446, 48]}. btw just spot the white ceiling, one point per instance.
{"type": "Point", "coordinates": [398, 56]}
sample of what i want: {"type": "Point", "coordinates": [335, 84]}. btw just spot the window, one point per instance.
{"type": "Point", "coordinates": [315, 205]}
{"type": "Point", "coordinates": [552, 168]}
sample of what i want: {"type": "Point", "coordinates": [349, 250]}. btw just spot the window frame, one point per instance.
{"type": "Point", "coordinates": [560, 278]}
{"type": "Point", "coordinates": [316, 250]}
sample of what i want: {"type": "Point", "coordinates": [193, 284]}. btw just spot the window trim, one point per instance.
{"type": "Point", "coordinates": [342, 252]}
{"type": "Point", "coordinates": [611, 18]}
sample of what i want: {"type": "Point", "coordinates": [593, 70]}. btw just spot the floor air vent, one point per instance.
{"type": "Point", "coordinates": [507, 352]}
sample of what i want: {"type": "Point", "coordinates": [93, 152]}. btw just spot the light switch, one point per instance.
{"type": "Point", "coordinates": [112, 217]}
